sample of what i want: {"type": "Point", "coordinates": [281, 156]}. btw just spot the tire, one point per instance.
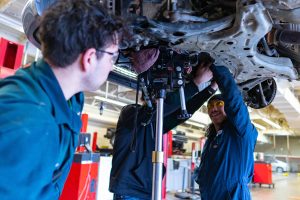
{"type": "Point", "coordinates": [279, 169]}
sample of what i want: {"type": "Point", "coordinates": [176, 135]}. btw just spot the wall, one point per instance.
{"type": "Point", "coordinates": [280, 146]}
{"type": "Point", "coordinates": [281, 151]}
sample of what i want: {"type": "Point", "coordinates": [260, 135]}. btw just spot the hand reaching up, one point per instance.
{"type": "Point", "coordinates": [203, 74]}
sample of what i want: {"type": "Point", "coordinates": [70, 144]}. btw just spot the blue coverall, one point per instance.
{"type": "Point", "coordinates": [227, 160]}
{"type": "Point", "coordinates": [38, 134]}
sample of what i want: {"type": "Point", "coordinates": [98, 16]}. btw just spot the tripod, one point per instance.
{"type": "Point", "coordinates": [158, 154]}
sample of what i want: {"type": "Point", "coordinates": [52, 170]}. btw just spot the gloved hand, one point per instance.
{"type": "Point", "coordinates": [142, 60]}
{"type": "Point", "coordinates": [202, 73]}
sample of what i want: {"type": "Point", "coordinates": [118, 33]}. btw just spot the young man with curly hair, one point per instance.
{"type": "Point", "coordinates": [41, 105]}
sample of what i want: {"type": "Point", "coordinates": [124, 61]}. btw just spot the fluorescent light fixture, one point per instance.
{"type": "Point", "coordinates": [271, 123]}
{"type": "Point", "coordinates": [195, 124]}
{"type": "Point", "coordinates": [290, 98]}
{"type": "Point", "coordinates": [111, 101]}
{"type": "Point", "coordinates": [261, 127]}
{"type": "Point", "coordinates": [125, 72]}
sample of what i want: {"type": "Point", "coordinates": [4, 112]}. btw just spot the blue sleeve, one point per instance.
{"type": "Point", "coordinates": [235, 108]}
{"type": "Point", "coordinates": [29, 149]}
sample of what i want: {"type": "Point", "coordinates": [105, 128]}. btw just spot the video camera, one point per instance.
{"type": "Point", "coordinates": [170, 72]}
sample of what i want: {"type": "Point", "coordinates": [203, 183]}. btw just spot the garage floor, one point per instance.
{"type": "Point", "coordinates": [286, 188]}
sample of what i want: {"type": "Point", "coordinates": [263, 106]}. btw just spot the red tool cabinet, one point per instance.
{"type": "Point", "coordinates": [11, 55]}
{"type": "Point", "coordinates": [263, 174]}
{"type": "Point", "coordinates": [83, 177]}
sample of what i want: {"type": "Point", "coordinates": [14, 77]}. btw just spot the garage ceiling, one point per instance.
{"type": "Point", "coordinates": [284, 111]}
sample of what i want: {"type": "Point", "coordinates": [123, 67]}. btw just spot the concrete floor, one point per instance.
{"type": "Point", "coordinates": [286, 188]}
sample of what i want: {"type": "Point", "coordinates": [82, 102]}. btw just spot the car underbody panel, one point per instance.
{"type": "Point", "coordinates": [256, 40]}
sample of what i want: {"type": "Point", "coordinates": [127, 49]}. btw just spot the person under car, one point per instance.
{"type": "Point", "coordinates": [131, 173]}
{"type": "Point", "coordinates": [227, 160]}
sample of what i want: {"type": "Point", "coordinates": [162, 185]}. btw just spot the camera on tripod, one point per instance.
{"type": "Point", "coordinates": [169, 71]}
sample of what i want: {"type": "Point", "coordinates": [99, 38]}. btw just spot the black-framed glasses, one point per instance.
{"type": "Point", "coordinates": [114, 55]}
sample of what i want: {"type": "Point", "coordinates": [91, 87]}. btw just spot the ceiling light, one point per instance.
{"type": "Point", "coordinates": [261, 127]}
{"type": "Point", "coordinates": [124, 72]}
{"type": "Point", "coordinates": [275, 125]}
{"type": "Point", "coordinates": [290, 98]}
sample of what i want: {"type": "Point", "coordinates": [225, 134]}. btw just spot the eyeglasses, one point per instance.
{"type": "Point", "coordinates": [114, 55]}
{"type": "Point", "coordinates": [212, 104]}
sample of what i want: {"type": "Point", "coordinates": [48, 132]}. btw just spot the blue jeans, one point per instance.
{"type": "Point", "coordinates": [125, 197]}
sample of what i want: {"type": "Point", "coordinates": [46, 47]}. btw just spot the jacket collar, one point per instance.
{"type": "Point", "coordinates": [64, 112]}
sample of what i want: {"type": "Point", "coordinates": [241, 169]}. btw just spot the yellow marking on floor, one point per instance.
{"type": "Point", "coordinates": [285, 174]}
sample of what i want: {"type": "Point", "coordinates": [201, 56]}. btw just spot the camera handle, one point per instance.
{"type": "Point", "coordinates": [184, 114]}
{"type": "Point", "coordinates": [158, 154]}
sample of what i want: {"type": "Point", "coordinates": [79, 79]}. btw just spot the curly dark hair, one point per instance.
{"type": "Point", "coordinates": [70, 27]}
{"type": "Point", "coordinates": [210, 131]}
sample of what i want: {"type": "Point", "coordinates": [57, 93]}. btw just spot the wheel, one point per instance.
{"type": "Point", "coordinates": [279, 169]}
{"type": "Point", "coordinates": [259, 93]}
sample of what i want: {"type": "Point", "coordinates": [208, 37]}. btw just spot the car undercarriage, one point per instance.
{"type": "Point", "coordinates": [257, 40]}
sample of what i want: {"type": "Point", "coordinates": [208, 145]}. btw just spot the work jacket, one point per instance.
{"type": "Point", "coordinates": [131, 172]}
{"type": "Point", "coordinates": [227, 161]}
{"type": "Point", "coordinates": [38, 134]}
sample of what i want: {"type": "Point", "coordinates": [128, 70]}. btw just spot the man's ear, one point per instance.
{"type": "Point", "coordinates": [88, 59]}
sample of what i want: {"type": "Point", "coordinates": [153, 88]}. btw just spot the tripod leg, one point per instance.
{"type": "Point", "coordinates": [158, 155]}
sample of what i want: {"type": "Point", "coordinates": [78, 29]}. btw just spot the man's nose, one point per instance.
{"type": "Point", "coordinates": [213, 108]}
